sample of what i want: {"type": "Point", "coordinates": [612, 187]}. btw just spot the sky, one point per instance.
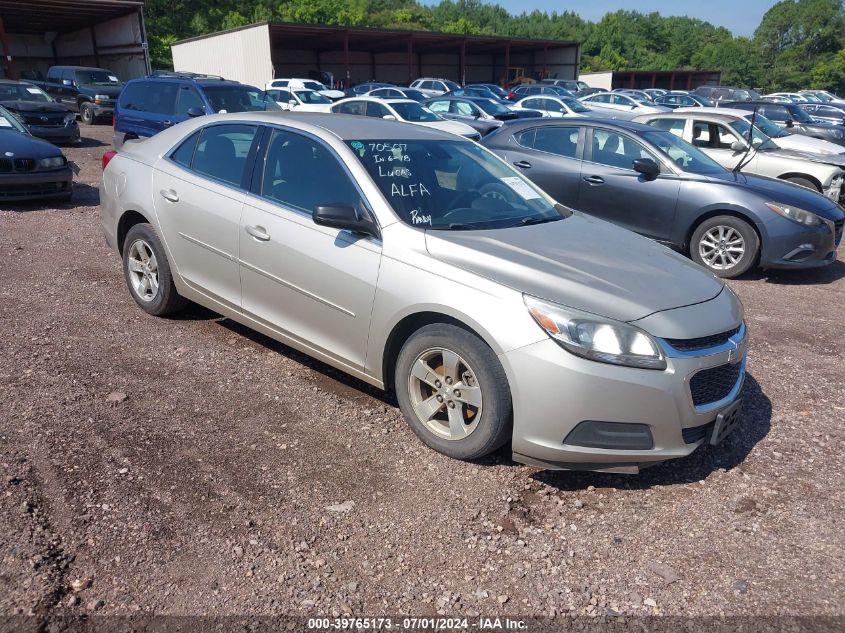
{"type": "Point", "coordinates": [740, 16]}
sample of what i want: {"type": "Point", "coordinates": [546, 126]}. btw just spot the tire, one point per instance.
{"type": "Point", "coordinates": [482, 410]}
{"type": "Point", "coordinates": [718, 241]}
{"type": "Point", "coordinates": [86, 113]}
{"type": "Point", "coordinates": [147, 272]}
{"type": "Point", "coordinates": [803, 182]}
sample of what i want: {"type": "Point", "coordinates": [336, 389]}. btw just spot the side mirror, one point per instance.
{"type": "Point", "coordinates": [647, 168]}
{"type": "Point", "coordinates": [789, 123]}
{"type": "Point", "coordinates": [343, 217]}
{"type": "Point", "coordinates": [195, 112]}
{"type": "Point", "coordinates": [738, 146]}
{"type": "Point", "coordinates": [389, 117]}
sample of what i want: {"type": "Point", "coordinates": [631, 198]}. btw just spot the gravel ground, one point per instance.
{"type": "Point", "coordinates": [190, 466]}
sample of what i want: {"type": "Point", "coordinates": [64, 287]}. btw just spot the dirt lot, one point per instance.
{"type": "Point", "coordinates": [189, 466]}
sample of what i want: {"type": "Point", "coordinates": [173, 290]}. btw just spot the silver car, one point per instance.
{"type": "Point", "coordinates": [420, 262]}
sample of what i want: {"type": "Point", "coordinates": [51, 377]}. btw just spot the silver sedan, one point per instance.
{"type": "Point", "coordinates": [418, 261]}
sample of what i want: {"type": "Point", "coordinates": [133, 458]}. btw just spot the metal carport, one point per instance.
{"type": "Point", "coordinates": [37, 34]}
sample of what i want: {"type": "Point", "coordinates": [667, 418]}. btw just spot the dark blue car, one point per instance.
{"type": "Point", "coordinates": [149, 105]}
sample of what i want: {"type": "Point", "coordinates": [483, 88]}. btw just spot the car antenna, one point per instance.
{"type": "Point", "coordinates": [738, 167]}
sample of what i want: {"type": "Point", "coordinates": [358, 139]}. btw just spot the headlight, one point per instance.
{"type": "Point", "coordinates": [596, 338]}
{"type": "Point", "coordinates": [836, 134]}
{"type": "Point", "coordinates": [102, 97]}
{"type": "Point", "coordinates": [795, 214]}
{"type": "Point", "coordinates": [52, 163]}
{"type": "Point", "coordinates": [70, 117]}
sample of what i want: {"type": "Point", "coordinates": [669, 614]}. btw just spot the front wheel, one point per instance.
{"type": "Point", "coordinates": [453, 392]}
{"type": "Point", "coordinates": [804, 182]}
{"type": "Point", "coordinates": [147, 272]}
{"type": "Point", "coordinates": [86, 113]}
{"type": "Point", "coordinates": [726, 245]}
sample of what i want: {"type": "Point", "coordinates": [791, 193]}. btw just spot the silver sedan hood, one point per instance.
{"type": "Point", "coordinates": [580, 262]}
{"type": "Point", "coordinates": [828, 159]}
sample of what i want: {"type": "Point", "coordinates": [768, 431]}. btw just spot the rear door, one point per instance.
{"type": "Point", "coordinates": [551, 157]}
{"type": "Point", "coordinates": [612, 190]}
{"type": "Point", "coordinates": [131, 113]}
{"type": "Point", "coordinates": [199, 191]}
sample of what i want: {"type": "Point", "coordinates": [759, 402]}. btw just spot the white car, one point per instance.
{"type": "Point", "coordinates": [781, 136]}
{"type": "Point", "coordinates": [300, 99]}
{"type": "Point", "coordinates": [309, 84]}
{"type": "Point", "coordinates": [434, 87]}
{"type": "Point", "coordinates": [622, 102]}
{"type": "Point", "coordinates": [554, 106]}
{"type": "Point", "coordinates": [405, 110]}
{"type": "Point", "coordinates": [791, 97]}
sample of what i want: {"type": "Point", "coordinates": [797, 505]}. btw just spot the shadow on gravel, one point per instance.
{"type": "Point", "coordinates": [89, 142]}
{"type": "Point", "coordinates": [84, 195]}
{"type": "Point", "coordinates": [755, 425]}
{"type": "Point", "coordinates": [808, 277]}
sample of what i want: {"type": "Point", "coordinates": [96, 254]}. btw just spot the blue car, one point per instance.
{"type": "Point", "coordinates": [152, 104]}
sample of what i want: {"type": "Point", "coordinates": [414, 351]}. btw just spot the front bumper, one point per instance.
{"type": "Point", "coordinates": [556, 391]}
{"type": "Point", "coordinates": [16, 187]}
{"type": "Point", "coordinates": [791, 245]}
{"type": "Point", "coordinates": [65, 134]}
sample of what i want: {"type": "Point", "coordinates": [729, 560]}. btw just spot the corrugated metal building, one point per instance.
{"type": "Point", "coordinates": [102, 33]}
{"type": "Point", "coordinates": [257, 53]}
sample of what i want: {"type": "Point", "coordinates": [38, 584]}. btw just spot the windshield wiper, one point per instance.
{"type": "Point", "coordinates": [535, 220]}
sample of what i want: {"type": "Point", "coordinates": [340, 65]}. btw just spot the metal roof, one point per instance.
{"type": "Point", "coordinates": [319, 37]}
{"type": "Point", "coordinates": [61, 16]}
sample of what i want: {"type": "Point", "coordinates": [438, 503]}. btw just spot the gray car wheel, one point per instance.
{"type": "Point", "coordinates": [147, 272]}
{"type": "Point", "coordinates": [86, 113]}
{"type": "Point", "coordinates": [725, 245]}
{"type": "Point", "coordinates": [453, 391]}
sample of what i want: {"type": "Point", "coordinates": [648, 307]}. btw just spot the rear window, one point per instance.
{"type": "Point", "coordinates": [239, 98]}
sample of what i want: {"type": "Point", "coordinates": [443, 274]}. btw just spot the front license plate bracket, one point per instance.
{"type": "Point", "coordinates": [726, 423]}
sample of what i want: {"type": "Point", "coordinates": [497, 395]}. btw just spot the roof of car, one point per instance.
{"type": "Point", "coordinates": [713, 114]}
{"type": "Point", "coordinates": [730, 112]}
{"type": "Point", "coordinates": [618, 124]}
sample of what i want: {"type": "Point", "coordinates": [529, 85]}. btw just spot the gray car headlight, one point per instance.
{"type": "Point", "coordinates": [807, 218]}
{"type": "Point", "coordinates": [52, 163]}
{"type": "Point", "coordinates": [102, 97]}
{"type": "Point", "coordinates": [596, 338]}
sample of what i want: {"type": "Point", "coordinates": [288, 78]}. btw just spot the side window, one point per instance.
{"type": "Point", "coordinates": [439, 106]}
{"type": "Point", "coordinates": [726, 138]}
{"type": "Point", "coordinates": [301, 173]}
{"type": "Point", "coordinates": [352, 107]}
{"type": "Point", "coordinates": [533, 103]}
{"type": "Point", "coordinates": [620, 100]}
{"type": "Point", "coordinates": [393, 94]}
{"type": "Point", "coordinates": [222, 151]}
{"type": "Point", "coordinates": [67, 73]}
{"type": "Point", "coordinates": [463, 108]}
{"type": "Point", "coordinates": [134, 96]}
{"type": "Point", "coordinates": [562, 141]}
{"type": "Point", "coordinates": [675, 126]}
{"type": "Point", "coordinates": [188, 98]}
{"type": "Point", "coordinates": [438, 85]}
{"type": "Point", "coordinates": [427, 85]}
{"type": "Point", "coordinates": [774, 112]}
{"type": "Point", "coordinates": [526, 137]}
{"type": "Point", "coordinates": [551, 105]}
{"type": "Point", "coordinates": [602, 98]}
{"type": "Point", "coordinates": [701, 136]}
{"type": "Point", "coordinates": [161, 98]}
{"type": "Point", "coordinates": [376, 110]}
{"type": "Point", "coordinates": [615, 150]}
{"type": "Point", "coordinates": [54, 75]}
{"type": "Point", "coordinates": [184, 154]}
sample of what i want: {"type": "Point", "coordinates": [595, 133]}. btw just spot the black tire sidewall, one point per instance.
{"type": "Point", "coordinates": [752, 244]}
{"type": "Point", "coordinates": [494, 427]}
{"type": "Point", "coordinates": [86, 108]}
{"type": "Point", "coordinates": [167, 300]}
{"type": "Point", "coordinates": [803, 182]}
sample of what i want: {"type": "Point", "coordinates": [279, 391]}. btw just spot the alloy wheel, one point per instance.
{"type": "Point", "coordinates": [143, 270]}
{"type": "Point", "coordinates": [721, 247]}
{"type": "Point", "coordinates": [445, 394]}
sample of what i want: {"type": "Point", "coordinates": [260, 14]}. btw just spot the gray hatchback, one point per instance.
{"type": "Point", "coordinates": [652, 182]}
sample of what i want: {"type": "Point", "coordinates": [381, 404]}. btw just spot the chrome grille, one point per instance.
{"type": "Point", "coordinates": [702, 342]}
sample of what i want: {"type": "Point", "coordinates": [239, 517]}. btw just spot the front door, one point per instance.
{"type": "Point", "coordinates": [550, 157]}
{"type": "Point", "coordinates": [312, 283]}
{"type": "Point", "coordinates": [612, 190]}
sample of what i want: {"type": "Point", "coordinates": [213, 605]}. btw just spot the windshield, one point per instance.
{"type": "Point", "coordinates": [705, 102]}
{"type": "Point", "coordinates": [313, 85]}
{"type": "Point", "coordinates": [686, 156]}
{"type": "Point", "coordinates": [96, 78]}
{"type": "Point", "coordinates": [22, 92]}
{"type": "Point", "coordinates": [758, 139]}
{"type": "Point", "coordinates": [451, 85]}
{"type": "Point", "coordinates": [575, 105]}
{"type": "Point", "coordinates": [9, 122]}
{"type": "Point", "coordinates": [491, 107]}
{"type": "Point", "coordinates": [563, 92]}
{"type": "Point", "coordinates": [416, 95]}
{"type": "Point", "coordinates": [451, 185]}
{"type": "Point", "coordinates": [497, 90]}
{"type": "Point", "coordinates": [415, 113]}
{"type": "Point", "coordinates": [767, 127]}
{"type": "Point", "coordinates": [799, 115]}
{"type": "Point", "coordinates": [309, 96]}
{"type": "Point", "coordinates": [239, 99]}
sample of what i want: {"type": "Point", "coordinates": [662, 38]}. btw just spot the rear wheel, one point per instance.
{"type": "Point", "coordinates": [725, 245]}
{"type": "Point", "coordinates": [453, 392]}
{"type": "Point", "coordinates": [147, 272]}
{"type": "Point", "coordinates": [86, 113]}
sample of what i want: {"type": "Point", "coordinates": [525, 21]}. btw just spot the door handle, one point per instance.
{"type": "Point", "coordinates": [522, 164]}
{"type": "Point", "coordinates": [258, 232]}
{"type": "Point", "coordinates": [594, 180]}
{"type": "Point", "coordinates": [169, 194]}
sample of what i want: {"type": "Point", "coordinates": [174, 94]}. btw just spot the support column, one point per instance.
{"type": "Point", "coordinates": [462, 71]}
{"type": "Point", "coordinates": [94, 44]}
{"type": "Point", "coordinates": [672, 81]}
{"type": "Point", "coordinates": [373, 66]}
{"type": "Point", "coordinates": [346, 58]}
{"type": "Point", "coordinates": [654, 80]}
{"type": "Point", "coordinates": [507, 63]}
{"type": "Point", "coordinates": [410, 59]}
{"type": "Point", "coordinates": [545, 61]}
{"type": "Point", "coordinates": [11, 68]}
{"type": "Point", "coordinates": [145, 43]}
